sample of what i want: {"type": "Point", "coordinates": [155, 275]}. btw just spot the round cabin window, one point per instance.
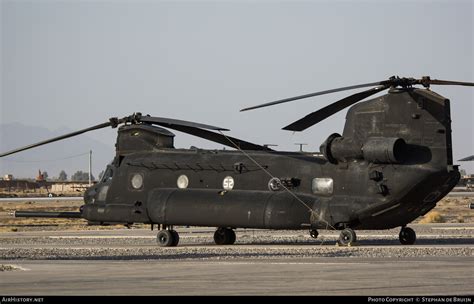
{"type": "Point", "coordinates": [182, 182]}
{"type": "Point", "coordinates": [137, 181]}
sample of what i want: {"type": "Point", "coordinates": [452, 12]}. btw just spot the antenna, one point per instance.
{"type": "Point", "coordinates": [301, 146]}
{"type": "Point", "coordinates": [90, 168]}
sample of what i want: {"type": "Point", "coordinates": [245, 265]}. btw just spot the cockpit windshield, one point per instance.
{"type": "Point", "coordinates": [109, 172]}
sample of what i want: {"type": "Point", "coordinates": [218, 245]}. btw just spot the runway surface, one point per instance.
{"type": "Point", "coordinates": [316, 276]}
{"type": "Point", "coordinates": [128, 262]}
{"type": "Point", "coordinates": [461, 194]}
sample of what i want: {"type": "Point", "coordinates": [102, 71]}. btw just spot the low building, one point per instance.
{"type": "Point", "coordinates": [68, 186]}
{"type": "Point", "coordinates": [55, 187]}
{"type": "Point", "coordinates": [18, 185]}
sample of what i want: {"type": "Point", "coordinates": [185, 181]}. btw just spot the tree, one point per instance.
{"type": "Point", "coordinates": [45, 175]}
{"type": "Point", "coordinates": [62, 176]}
{"type": "Point", "coordinates": [78, 176]}
{"type": "Point", "coordinates": [81, 176]}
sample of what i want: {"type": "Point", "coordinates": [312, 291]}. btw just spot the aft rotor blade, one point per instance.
{"type": "Point", "coordinates": [317, 116]}
{"type": "Point", "coordinates": [167, 122]}
{"type": "Point", "coordinates": [449, 82]}
{"type": "Point", "coordinates": [219, 138]}
{"type": "Point", "coordinates": [315, 94]}
{"type": "Point", "coordinates": [100, 126]}
{"type": "Point", "coordinates": [469, 158]}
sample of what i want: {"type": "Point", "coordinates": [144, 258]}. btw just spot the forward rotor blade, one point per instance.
{"type": "Point", "coordinates": [167, 122]}
{"type": "Point", "coordinates": [199, 130]}
{"type": "Point", "coordinates": [449, 82]}
{"type": "Point", "coordinates": [316, 94]}
{"type": "Point", "coordinates": [317, 116]}
{"type": "Point", "coordinates": [100, 126]}
{"type": "Point", "coordinates": [219, 138]}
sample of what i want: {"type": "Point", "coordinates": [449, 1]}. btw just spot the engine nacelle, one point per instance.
{"type": "Point", "coordinates": [385, 150]}
{"type": "Point", "coordinates": [379, 150]}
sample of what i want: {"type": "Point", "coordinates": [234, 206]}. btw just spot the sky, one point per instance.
{"type": "Point", "coordinates": [72, 64]}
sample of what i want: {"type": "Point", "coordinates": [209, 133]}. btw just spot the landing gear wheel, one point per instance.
{"type": "Point", "coordinates": [314, 233]}
{"type": "Point", "coordinates": [167, 238]}
{"type": "Point", "coordinates": [175, 238]}
{"type": "Point", "coordinates": [347, 237]}
{"type": "Point", "coordinates": [407, 236]}
{"type": "Point", "coordinates": [224, 236]}
{"type": "Point", "coordinates": [232, 237]}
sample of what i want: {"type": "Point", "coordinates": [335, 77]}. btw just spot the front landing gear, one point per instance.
{"type": "Point", "coordinates": [314, 233]}
{"type": "Point", "coordinates": [167, 238]}
{"type": "Point", "coordinates": [347, 237]}
{"type": "Point", "coordinates": [224, 236]}
{"type": "Point", "coordinates": [407, 236]}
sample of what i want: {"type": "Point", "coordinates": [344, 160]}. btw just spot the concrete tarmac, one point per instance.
{"type": "Point", "coordinates": [315, 276]}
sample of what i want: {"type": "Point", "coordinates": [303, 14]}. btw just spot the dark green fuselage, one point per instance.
{"type": "Point", "coordinates": [370, 186]}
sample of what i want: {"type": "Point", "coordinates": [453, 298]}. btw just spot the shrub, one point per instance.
{"type": "Point", "coordinates": [432, 217]}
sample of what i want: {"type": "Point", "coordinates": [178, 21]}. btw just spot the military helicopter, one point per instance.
{"type": "Point", "coordinates": [392, 164]}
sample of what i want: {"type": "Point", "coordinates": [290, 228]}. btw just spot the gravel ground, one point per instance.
{"type": "Point", "coordinates": [226, 253]}
{"type": "Point", "coordinates": [441, 240]}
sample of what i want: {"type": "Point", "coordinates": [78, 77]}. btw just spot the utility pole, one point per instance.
{"type": "Point", "coordinates": [90, 168]}
{"type": "Point", "coordinates": [301, 146]}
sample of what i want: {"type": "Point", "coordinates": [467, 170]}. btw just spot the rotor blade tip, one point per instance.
{"type": "Point", "coordinates": [290, 129]}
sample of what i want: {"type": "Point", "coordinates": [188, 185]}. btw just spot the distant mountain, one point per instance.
{"type": "Point", "coordinates": [61, 155]}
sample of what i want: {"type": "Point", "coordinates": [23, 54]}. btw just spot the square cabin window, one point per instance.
{"type": "Point", "coordinates": [322, 186]}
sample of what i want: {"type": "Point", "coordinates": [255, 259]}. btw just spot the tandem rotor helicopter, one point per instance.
{"type": "Point", "coordinates": [392, 164]}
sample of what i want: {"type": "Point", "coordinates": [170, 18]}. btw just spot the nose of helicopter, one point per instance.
{"type": "Point", "coordinates": [89, 195]}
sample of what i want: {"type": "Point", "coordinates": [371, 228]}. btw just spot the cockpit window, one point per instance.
{"type": "Point", "coordinates": [109, 172]}
{"type": "Point", "coordinates": [103, 193]}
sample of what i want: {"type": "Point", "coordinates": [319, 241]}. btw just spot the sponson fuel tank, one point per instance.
{"type": "Point", "coordinates": [236, 208]}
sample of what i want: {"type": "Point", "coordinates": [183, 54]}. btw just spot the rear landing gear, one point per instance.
{"type": "Point", "coordinates": [175, 238]}
{"type": "Point", "coordinates": [167, 238]}
{"type": "Point", "coordinates": [407, 236]}
{"type": "Point", "coordinates": [224, 236]}
{"type": "Point", "coordinates": [347, 237]}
